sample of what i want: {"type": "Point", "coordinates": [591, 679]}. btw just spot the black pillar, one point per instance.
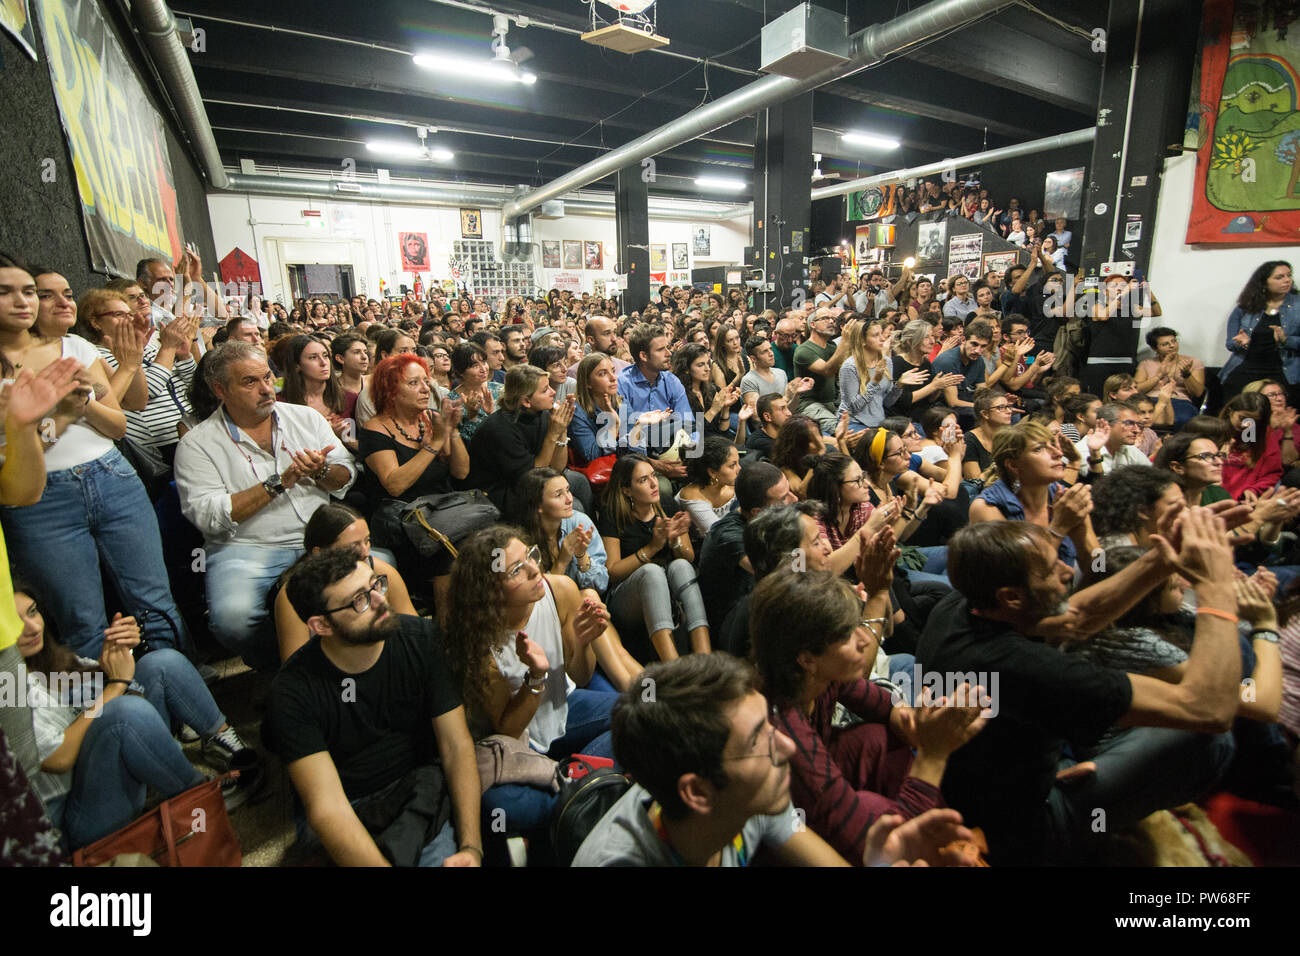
{"type": "Point", "coordinates": [783, 199]}
{"type": "Point", "coordinates": [1140, 117]}
{"type": "Point", "coordinates": [632, 225]}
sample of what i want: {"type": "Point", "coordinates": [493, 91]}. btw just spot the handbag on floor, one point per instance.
{"type": "Point", "coordinates": [435, 522]}
{"type": "Point", "coordinates": [189, 829]}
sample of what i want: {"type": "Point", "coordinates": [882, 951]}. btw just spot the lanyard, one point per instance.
{"type": "Point", "coordinates": [656, 814]}
{"type": "Point", "coordinates": [232, 432]}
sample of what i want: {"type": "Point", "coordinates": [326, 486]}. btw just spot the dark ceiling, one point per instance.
{"type": "Point", "coordinates": [306, 84]}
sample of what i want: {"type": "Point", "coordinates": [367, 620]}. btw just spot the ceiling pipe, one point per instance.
{"type": "Point", "coordinates": [425, 195]}
{"type": "Point", "coordinates": [868, 47]}
{"type": "Point", "coordinates": [156, 24]}
{"type": "Point", "coordinates": [1078, 137]}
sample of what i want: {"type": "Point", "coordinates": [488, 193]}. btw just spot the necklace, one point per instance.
{"type": "Point", "coordinates": [402, 431]}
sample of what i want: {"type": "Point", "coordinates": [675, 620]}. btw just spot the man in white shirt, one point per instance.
{"type": "Point", "coordinates": [158, 280]}
{"type": "Point", "coordinates": [1111, 444]}
{"type": "Point", "coordinates": [249, 478]}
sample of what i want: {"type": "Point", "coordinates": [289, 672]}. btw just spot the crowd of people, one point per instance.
{"type": "Point", "coordinates": [725, 548]}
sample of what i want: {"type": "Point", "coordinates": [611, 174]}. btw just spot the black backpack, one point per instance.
{"type": "Point", "coordinates": [581, 804]}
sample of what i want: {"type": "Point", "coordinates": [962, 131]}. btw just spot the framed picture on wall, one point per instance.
{"type": "Point", "coordinates": [551, 254]}
{"type": "Point", "coordinates": [414, 249]}
{"type": "Point", "coordinates": [1063, 194]}
{"type": "Point", "coordinates": [658, 259]}
{"type": "Point", "coordinates": [572, 254]}
{"type": "Point", "coordinates": [681, 256]}
{"type": "Point", "coordinates": [594, 255]}
{"type": "Point", "coordinates": [702, 239]}
{"type": "Point", "coordinates": [471, 224]}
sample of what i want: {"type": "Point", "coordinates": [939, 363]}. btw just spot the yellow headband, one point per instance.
{"type": "Point", "coordinates": [878, 445]}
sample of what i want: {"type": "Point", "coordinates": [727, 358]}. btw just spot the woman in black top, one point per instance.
{"type": "Point", "coordinates": [409, 451]}
{"type": "Point", "coordinates": [912, 344]}
{"type": "Point", "coordinates": [992, 413]}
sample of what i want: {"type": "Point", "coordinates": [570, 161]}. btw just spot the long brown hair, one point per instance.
{"type": "Point", "coordinates": [53, 657]}
{"type": "Point", "coordinates": [475, 616]}
{"type": "Point", "coordinates": [295, 384]}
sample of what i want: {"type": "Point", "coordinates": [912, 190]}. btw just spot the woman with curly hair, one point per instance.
{"type": "Point", "coordinates": [1263, 339]}
{"type": "Point", "coordinates": [520, 643]}
{"type": "Point", "coordinates": [798, 438]}
{"type": "Point", "coordinates": [710, 491]}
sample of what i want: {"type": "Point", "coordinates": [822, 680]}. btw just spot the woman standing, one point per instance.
{"type": "Point", "coordinates": [94, 506]}
{"type": "Point", "coordinates": [1263, 338]}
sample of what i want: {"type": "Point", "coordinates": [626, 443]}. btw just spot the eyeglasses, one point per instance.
{"type": "Point", "coordinates": [1129, 423]}
{"type": "Point", "coordinates": [772, 716]}
{"type": "Point", "coordinates": [533, 557]}
{"type": "Point", "coordinates": [859, 481]}
{"type": "Point", "coordinates": [361, 602]}
{"type": "Point", "coordinates": [1209, 456]}
{"type": "Point", "coordinates": [1000, 408]}
{"type": "Point", "coordinates": [116, 314]}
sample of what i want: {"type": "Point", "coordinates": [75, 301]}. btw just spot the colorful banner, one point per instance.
{"type": "Point", "coordinates": [18, 22]}
{"type": "Point", "coordinates": [116, 140]}
{"type": "Point", "coordinates": [413, 247]}
{"type": "Point", "coordinates": [1248, 157]}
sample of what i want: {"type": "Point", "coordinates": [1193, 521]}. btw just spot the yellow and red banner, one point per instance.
{"type": "Point", "coordinates": [115, 138]}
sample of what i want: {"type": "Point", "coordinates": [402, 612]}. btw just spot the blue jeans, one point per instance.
{"type": "Point", "coordinates": [238, 578]}
{"type": "Point", "coordinates": [177, 691]}
{"type": "Point", "coordinates": [1184, 411]}
{"type": "Point", "coordinates": [517, 807]}
{"type": "Point", "coordinates": [935, 567]}
{"type": "Point", "coordinates": [434, 853]}
{"type": "Point", "coordinates": [95, 518]}
{"type": "Point", "coordinates": [128, 749]}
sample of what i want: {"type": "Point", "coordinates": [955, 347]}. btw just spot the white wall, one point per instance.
{"type": "Point", "coordinates": [274, 232]}
{"type": "Point", "coordinates": [1197, 286]}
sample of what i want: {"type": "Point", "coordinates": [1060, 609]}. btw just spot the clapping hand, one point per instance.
{"type": "Point", "coordinates": [935, 838]}
{"type": "Point", "coordinates": [305, 464]}
{"type": "Point", "coordinates": [590, 621]}
{"type": "Point", "coordinates": [884, 514]}
{"type": "Point", "coordinates": [126, 342]}
{"type": "Point", "coordinates": [124, 632]}
{"type": "Point", "coordinates": [1070, 509]}
{"type": "Point", "coordinates": [31, 396]}
{"type": "Point", "coordinates": [532, 655]}
{"type": "Point", "coordinates": [678, 525]}
{"type": "Point", "coordinates": [747, 411]}
{"type": "Point", "coordinates": [1254, 604]}
{"type": "Point", "coordinates": [1098, 437]}
{"type": "Point", "coordinates": [576, 541]}
{"type": "Point", "coordinates": [877, 554]}
{"type": "Point", "coordinates": [1242, 338]}
{"type": "Point", "coordinates": [944, 725]}
{"type": "Point", "coordinates": [915, 376]}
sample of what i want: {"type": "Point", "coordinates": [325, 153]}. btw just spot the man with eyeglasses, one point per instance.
{"type": "Point", "coordinates": [370, 726]}
{"type": "Point", "coordinates": [785, 338]}
{"type": "Point", "coordinates": [712, 772]}
{"type": "Point", "coordinates": [820, 359]}
{"type": "Point", "coordinates": [1112, 444]}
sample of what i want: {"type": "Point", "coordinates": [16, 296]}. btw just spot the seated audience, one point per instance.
{"type": "Point", "coordinates": [309, 380]}
{"type": "Point", "coordinates": [1255, 450]}
{"type": "Point", "coordinates": [993, 412]}
{"type": "Point", "coordinates": [1185, 373]}
{"type": "Point", "coordinates": [1112, 442]}
{"type": "Point", "coordinates": [477, 392]}
{"type": "Point", "coordinates": [710, 490]}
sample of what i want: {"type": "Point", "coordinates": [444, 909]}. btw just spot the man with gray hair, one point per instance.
{"type": "Point", "coordinates": [1112, 444]}
{"type": "Point", "coordinates": [820, 359]}
{"type": "Point", "coordinates": [249, 477]}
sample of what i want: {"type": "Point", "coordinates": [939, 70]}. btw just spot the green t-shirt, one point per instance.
{"type": "Point", "coordinates": [826, 391]}
{"type": "Point", "coordinates": [1213, 493]}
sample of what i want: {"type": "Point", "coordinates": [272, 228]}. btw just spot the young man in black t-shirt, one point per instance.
{"type": "Point", "coordinates": [369, 724]}
{"type": "Point", "coordinates": [1013, 596]}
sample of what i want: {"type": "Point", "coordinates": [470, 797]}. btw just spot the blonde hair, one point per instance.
{"type": "Point", "coordinates": [587, 401]}
{"type": "Point", "coordinates": [858, 349]}
{"type": "Point", "coordinates": [1012, 442]}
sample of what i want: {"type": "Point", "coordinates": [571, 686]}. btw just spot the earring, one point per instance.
{"type": "Point", "coordinates": [1015, 486]}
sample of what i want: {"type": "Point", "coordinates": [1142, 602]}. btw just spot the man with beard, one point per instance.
{"type": "Point", "coordinates": [371, 729]}
{"type": "Point", "coordinates": [1013, 601]}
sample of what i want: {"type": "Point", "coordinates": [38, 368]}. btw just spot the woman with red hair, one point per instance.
{"type": "Point", "coordinates": [409, 451]}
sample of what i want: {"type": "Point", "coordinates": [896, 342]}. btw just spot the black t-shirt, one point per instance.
{"type": "Point", "coordinates": [434, 480]}
{"type": "Point", "coordinates": [977, 453]}
{"type": "Point", "coordinates": [903, 404]}
{"type": "Point", "coordinates": [759, 444]}
{"type": "Point", "coordinates": [1117, 337]}
{"type": "Point", "coordinates": [503, 450]}
{"type": "Point", "coordinates": [723, 581]}
{"type": "Point", "coordinates": [637, 534]}
{"type": "Point", "coordinates": [377, 725]}
{"type": "Point", "coordinates": [1044, 699]}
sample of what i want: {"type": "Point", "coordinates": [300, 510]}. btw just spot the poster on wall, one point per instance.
{"type": "Point", "coordinates": [239, 268]}
{"type": "Point", "coordinates": [874, 203]}
{"type": "Point", "coordinates": [550, 253]}
{"type": "Point", "coordinates": [1244, 122]}
{"type": "Point", "coordinates": [17, 22]}
{"type": "Point", "coordinates": [658, 278]}
{"type": "Point", "coordinates": [929, 241]}
{"type": "Point", "coordinates": [1063, 194]}
{"type": "Point", "coordinates": [964, 255]}
{"type": "Point", "coordinates": [471, 224]}
{"type": "Point", "coordinates": [658, 258]}
{"type": "Point", "coordinates": [681, 257]}
{"type": "Point", "coordinates": [572, 254]}
{"type": "Point", "coordinates": [701, 240]}
{"type": "Point", "coordinates": [567, 281]}
{"type": "Point", "coordinates": [119, 155]}
{"type": "Point", "coordinates": [594, 255]}
{"type": "Point", "coordinates": [679, 278]}
{"type": "Point", "coordinates": [1000, 262]}
{"type": "Point", "coordinates": [414, 250]}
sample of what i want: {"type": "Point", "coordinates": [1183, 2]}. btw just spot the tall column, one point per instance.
{"type": "Point", "coordinates": [632, 225]}
{"type": "Point", "coordinates": [783, 199]}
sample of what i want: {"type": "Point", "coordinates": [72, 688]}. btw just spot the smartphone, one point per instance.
{"type": "Point", "coordinates": [948, 434]}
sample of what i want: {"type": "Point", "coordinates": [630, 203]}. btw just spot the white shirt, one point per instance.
{"type": "Point", "coordinates": [544, 629]}
{"type": "Point", "coordinates": [1127, 455]}
{"type": "Point", "coordinates": [80, 442]}
{"type": "Point", "coordinates": [216, 459]}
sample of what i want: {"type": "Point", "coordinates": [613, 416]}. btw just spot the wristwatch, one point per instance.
{"type": "Point", "coordinates": [535, 685]}
{"type": "Point", "coordinates": [274, 486]}
{"type": "Point", "coordinates": [1265, 634]}
{"type": "Point", "coordinates": [561, 442]}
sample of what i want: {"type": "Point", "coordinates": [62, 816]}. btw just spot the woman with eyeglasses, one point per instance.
{"type": "Point", "coordinates": [936, 503]}
{"type": "Point", "coordinates": [554, 361]}
{"type": "Point", "coordinates": [815, 641]}
{"type": "Point", "coordinates": [839, 484]}
{"type": "Point", "coordinates": [1283, 418]}
{"type": "Point", "coordinates": [993, 412]}
{"type": "Point", "coordinates": [94, 514]}
{"type": "Point", "coordinates": [651, 562]}
{"type": "Point", "coordinates": [335, 526]}
{"type": "Point", "coordinates": [476, 390]}
{"type": "Point", "coordinates": [520, 642]}
{"type": "Point", "coordinates": [440, 366]}
{"type": "Point", "coordinates": [103, 318]}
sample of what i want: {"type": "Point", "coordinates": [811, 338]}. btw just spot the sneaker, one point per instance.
{"type": "Point", "coordinates": [233, 795]}
{"type": "Point", "coordinates": [188, 735]}
{"type": "Point", "coordinates": [223, 746]}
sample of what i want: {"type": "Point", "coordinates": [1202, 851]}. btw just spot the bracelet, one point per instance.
{"type": "Point", "coordinates": [321, 472]}
{"type": "Point", "coordinates": [117, 680]}
{"type": "Point", "coordinates": [1056, 534]}
{"type": "Point", "coordinates": [640, 557]}
{"type": "Point", "coordinates": [909, 514]}
{"type": "Point", "coordinates": [1215, 612]}
{"type": "Point", "coordinates": [1265, 634]}
{"type": "Point", "coordinates": [471, 846]}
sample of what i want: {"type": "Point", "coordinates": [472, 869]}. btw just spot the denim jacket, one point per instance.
{"type": "Point", "coordinates": [1239, 321]}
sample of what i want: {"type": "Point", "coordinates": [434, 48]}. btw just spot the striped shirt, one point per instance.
{"type": "Point", "coordinates": [168, 397]}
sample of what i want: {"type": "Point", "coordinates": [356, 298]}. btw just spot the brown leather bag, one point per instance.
{"type": "Point", "coordinates": [189, 829]}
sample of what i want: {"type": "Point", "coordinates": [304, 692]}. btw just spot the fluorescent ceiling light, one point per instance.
{"type": "Point", "coordinates": [473, 69]}
{"type": "Point", "coordinates": [721, 182]}
{"type": "Point", "coordinates": [441, 155]}
{"type": "Point", "coordinates": [413, 150]}
{"type": "Point", "coordinates": [869, 139]}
